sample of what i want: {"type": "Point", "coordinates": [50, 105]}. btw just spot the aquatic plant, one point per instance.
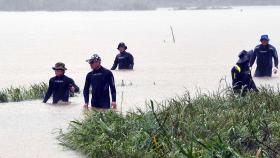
{"type": "Point", "coordinates": [35, 91]}
{"type": "Point", "coordinates": [3, 97]}
{"type": "Point", "coordinates": [220, 125]}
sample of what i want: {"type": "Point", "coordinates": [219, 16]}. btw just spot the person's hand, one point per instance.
{"type": "Point", "coordinates": [275, 70]}
{"type": "Point", "coordinates": [86, 106]}
{"type": "Point", "coordinates": [114, 105]}
{"type": "Point", "coordinates": [72, 89]}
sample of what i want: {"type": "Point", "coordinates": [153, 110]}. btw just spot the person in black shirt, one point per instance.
{"type": "Point", "coordinates": [264, 54]}
{"type": "Point", "coordinates": [242, 80]}
{"type": "Point", "coordinates": [99, 80]}
{"type": "Point", "coordinates": [60, 86]}
{"type": "Point", "coordinates": [124, 59]}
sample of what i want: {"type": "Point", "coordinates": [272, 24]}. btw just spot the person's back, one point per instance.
{"type": "Point", "coordinates": [124, 60]}
{"type": "Point", "coordinates": [241, 75]}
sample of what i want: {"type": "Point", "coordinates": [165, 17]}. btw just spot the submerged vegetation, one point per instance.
{"type": "Point", "coordinates": [35, 91]}
{"type": "Point", "coordinates": [220, 125]}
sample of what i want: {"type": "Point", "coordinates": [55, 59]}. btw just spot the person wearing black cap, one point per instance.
{"type": "Point", "coordinates": [264, 54]}
{"type": "Point", "coordinates": [124, 59]}
{"type": "Point", "coordinates": [242, 80]}
{"type": "Point", "coordinates": [99, 80]}
{"type": "Point", "coordinates": [60, 86]}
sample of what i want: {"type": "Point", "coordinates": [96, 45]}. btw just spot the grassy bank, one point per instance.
{"type": "Point", "coordinates": [220, 125]}
{"type": "Point", "coordinates": [35, 91]}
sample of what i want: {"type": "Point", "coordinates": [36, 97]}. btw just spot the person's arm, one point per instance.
{"type": "Point", "coordinates": [116, 62]}
{"type": "Point", "coordinates": [252, 84]}
{"type": "Point", "coordinates": [86, 88]}
{"type": "Point", "coordinates": [113, 89]}
{"type": "Point", "coordinates": [49, 92]}
{"type": "Point", "coordinates": [253, 57]}
{"type": "Point", "coordinates": [233, 73]}
{"type": "Point", "coordinates": [131, 61]}
{"type": "Point", "coordinates": [275, 57]}
{"type": "Point", "coordinates": [73, 86]}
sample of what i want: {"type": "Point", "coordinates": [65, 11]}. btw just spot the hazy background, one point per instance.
{"type": "Point", "coordinates": [63, 5]}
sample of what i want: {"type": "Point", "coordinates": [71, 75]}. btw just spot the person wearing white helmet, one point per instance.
{"type": "Point", "coordinates": [100, 80]}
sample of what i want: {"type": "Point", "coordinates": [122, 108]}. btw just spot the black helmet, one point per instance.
{"type": "Point", "coordinates": [243, 57]}
{"type": "Point", "coordinates": [122, 45]}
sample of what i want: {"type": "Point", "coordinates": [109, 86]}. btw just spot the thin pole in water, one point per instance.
{"type": "Point", "coordinates": [121, 101]}
{"type": "Point", "coordinates": [172, 34]}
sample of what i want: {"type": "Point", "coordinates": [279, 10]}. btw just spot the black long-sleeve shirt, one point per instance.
{"type": "Point", "coordinates": [264, 55]}
{"type": "Point", "coordinates": [125, 61]}
{"type": "Point", "coordinates": [100, 81]}
{"type": "Point", "coordinates": [59, 87]}
{"type": "Point", "coordinates": [242, 78]}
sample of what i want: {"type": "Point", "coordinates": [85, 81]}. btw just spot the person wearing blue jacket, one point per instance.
{"type": "Point", "coordinates": [123, 60]}
{"type": "Point", "coordinates": [264, 53]}
{"type": "Point", "coordinates": [101, 81]}
{"type": "Point", "coordinates": [242, 80]}
{"type": "Point", "coordinates": [60, 86]}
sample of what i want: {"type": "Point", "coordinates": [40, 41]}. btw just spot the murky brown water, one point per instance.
{"type": "Point", "coordinates": [207, 43]}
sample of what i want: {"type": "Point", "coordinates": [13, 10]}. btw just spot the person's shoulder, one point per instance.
{"type": "Point", "coordinates": [271, 47]}
{"type": "Point", "coordinates": [52, 78]}
{"type": "Point", "coordinates": [89, 73]}
{"type": "Point", "coordinates": [129, 53]}
{"type": "Point", "coordinates": [237, 67]}
{"type": "Point", "coordinates": [258, 46]}
{"type": "Point", "coordinates": [107, 71]}
{"type": "Point", "coordinates": [68, 78]}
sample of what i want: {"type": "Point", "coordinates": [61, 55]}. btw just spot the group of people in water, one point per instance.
{"type": "Point", "coordinates": [101, 80]}
{"type": "Point", "coordinates": [242, 80]}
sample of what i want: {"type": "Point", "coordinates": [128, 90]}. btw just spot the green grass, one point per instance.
{"type": "Point", "coordinates": [35, 91]}
{"type": "Point", "coordinates": [220, 125]}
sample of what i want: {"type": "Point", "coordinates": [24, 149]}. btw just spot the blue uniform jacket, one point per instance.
{"type": "Point", "coordinates": [264, 55]}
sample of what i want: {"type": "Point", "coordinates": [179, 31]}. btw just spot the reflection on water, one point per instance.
{"type": "Point", "coordinates": [207, 44]}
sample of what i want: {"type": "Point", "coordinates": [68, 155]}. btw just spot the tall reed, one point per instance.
{"type": "Point", "coordinates": [221, 125]}
{"type": "Point", "coordinates": [35, 91]}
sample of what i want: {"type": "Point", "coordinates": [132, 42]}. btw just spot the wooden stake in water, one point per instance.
{"type": "Point", "coordinates": [121, 101]}
{"type": "Point", "coordinates": [172, 34]}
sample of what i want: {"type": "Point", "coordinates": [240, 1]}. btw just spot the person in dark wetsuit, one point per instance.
{"type": "Point", "coordinates": [100, 80]}
{"type": "Point", "coordinates": [242, 80]}
{"type": "Point", "coordinates": [60, 86]}
{"type": "Point", "coordinates": [124, 59]}
{"type": "Point", "coordinates": [264, 54]}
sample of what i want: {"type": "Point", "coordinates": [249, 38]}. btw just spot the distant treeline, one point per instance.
{"type": "Point", "coordinates": [64, 5]}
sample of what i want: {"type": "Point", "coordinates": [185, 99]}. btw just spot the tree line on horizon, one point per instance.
{"type": "Point", "coordinates": [65, 5]}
